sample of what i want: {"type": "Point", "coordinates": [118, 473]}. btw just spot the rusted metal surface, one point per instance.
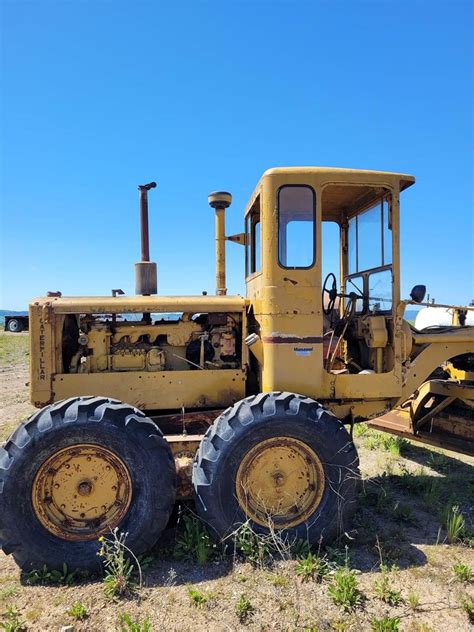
{"type": "Point", "coordinates": [81, 492]}
{"type": "Point", "coordinates": [280, 479]}
{"type": "Point", "coordinates": [194, 422]}
{"type": "Point", "coordinates": [138, 304]}
{"type": "Point", "coordinates": [184, 471]}
{"type": "Point", "coordinates": [239, 238]}
{"type": "Point", "coordinates": [145, 242]}
{"type": "Point", "coordinates": [449, 429]}
{"type": "Point", "coordinates": [184, 447]}
{"type": "Point", "coordinates": [280, 340]}
{"type": "Point", "coordinates": [184, 443]}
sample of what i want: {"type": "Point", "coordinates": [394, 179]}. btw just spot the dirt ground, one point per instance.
{"type": "Point", "coordinates": [400, 521]}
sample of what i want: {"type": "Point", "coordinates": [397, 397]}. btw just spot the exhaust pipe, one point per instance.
{"type": "Point", "coordinates": [220, 200]}
{"type": "Point", "coordinates": [145, 270]}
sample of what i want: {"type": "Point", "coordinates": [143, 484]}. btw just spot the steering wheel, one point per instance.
{"type": "Point", "coordinates": [332, 293]}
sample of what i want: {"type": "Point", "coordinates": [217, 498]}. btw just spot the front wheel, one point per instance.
{"type": "Point", "coordinates": [77, 470]}
{"type": "Point", "coordinates": [281, 461]}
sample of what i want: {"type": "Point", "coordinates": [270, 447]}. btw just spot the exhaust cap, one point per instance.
{"type": "Point", "coordinates": [219, 199]}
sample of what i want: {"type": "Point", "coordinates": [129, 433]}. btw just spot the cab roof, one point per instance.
{"type": "Point", "coordinates": [338, 198]}
{"type": "Point", "coordinates": [341, 173]}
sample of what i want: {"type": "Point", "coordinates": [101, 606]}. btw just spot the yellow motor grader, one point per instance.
{"type": "Point", "coordinates": [244, 403]}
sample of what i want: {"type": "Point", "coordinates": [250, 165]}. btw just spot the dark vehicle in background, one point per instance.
{"type": "Point", "coordinates": [16, 323]}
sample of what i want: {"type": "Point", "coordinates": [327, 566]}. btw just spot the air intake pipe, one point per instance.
{"type": "Point", "coordinates": [145, 270]}
{"type": "Point", "coordinates": [220, 200]}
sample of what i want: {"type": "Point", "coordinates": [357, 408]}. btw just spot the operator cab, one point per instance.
{"type": "Point", "coordinates": [342, 322]}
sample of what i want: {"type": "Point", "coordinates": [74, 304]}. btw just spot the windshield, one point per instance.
{"type": "Point", "coordinates": [369, 257]}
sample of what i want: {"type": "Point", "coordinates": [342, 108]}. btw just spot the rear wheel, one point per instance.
{"type": "Point", "coordinates": [75, 471]}
{"type": "Point", "coordinates": [281, 461]}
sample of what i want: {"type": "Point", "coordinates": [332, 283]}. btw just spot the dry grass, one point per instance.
{"type": "Point", "coordinates": [14, 349]}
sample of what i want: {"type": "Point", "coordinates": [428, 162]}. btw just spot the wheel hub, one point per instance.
{"type": "Point", "coordinates": [81, 492]}
{"type": "Point", "coordinates": [280, 480]}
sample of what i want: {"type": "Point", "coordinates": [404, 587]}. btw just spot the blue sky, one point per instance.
{"type": "Point", "coordinates": [101, 96]}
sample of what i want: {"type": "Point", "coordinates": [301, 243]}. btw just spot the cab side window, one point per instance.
{"type": "Point", "coordinates": [296, 226]}
{"type": "Point", "coordinates": [253, 240]}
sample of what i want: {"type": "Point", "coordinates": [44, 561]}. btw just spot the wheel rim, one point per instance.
{"type": "Point", "coordinates": [13, 325]}
{"type": "Point", "coordinates": [81, 492]}
{"type": "Point", "coordinates": [280, 480]}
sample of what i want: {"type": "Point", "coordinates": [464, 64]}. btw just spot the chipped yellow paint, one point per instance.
{"type": "Point", "coordinates": [280, 481]}
{"type": "Point", "coordinates": [81, 492]}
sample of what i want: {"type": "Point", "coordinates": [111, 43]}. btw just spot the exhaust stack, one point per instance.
{"type": "Point", "coordinates": [220, 200]}
{"type": "Point", "coordinates": [145, 270]}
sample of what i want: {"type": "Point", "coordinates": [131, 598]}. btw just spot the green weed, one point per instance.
{"type": "Point", "coordinates": [463, 573]}
{"type": "Point", "coordinates": [385, 591]}
{"type": "Point", "coordinates": [198, 597]}
{"type": "Point", "coordinates": [381, 441]}
{"type": "Point", "coordinates": [300, 548]}
{"type": "Point", "coordinates": [8, 592]}
{"type": "Point", "coordinates": [360, 429]}
{"type": "Point", "coordinates": [454, 524]}
{"type": "Point", "coordinates": [128, 625]}
{"type": "Point", "coordinates": [254, 547]}
{"type": "Point", "coordinates": [119, 570]}
{"type": "Point", "coordinates": [386, 624]}
{"type": "Point", "coordinates": [343, 590]}
{"type": "Point", "coordinates": [438, 461]}
{"type": "Point", "coordinates": [312, 567]}
{"type": "Point", "coordinates": [373, 441]}
{"type": "Point", "coordinates": [467, 605]}
{"type": "Point", "coordinates": [11, 621]}
{"type": "Point", "coordinates": [395, 445]}
{"type": "Point", "coordinates": [414, 600]}
{"type": "Point", "coordinates": [195, 545]}
{"type": "Point", "coordinates": [46, 575]}
{"type": "Point", "coordinates": [78, 611]}
{"type": "Point", "coordinates": [244, 608]}
{"type": "Point", "coordinates": [338, 557]}
{"type": "Point", "coordinates": [412, 482]}
{"type": "Point", "coordinates": [280, 581]}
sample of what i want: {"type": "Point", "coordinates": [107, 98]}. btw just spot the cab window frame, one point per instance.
{"type": "Point", "coordinates": [384, 202]}
{"type": "Point", "coordinates": [253, 218]}
{"type": "Point", "coordinates": [314, 216]}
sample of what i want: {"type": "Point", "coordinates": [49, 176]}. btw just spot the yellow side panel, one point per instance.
{"type": "Point", "coordinates": [41, 355]}
{"type": "Point", "coordinates": [158, 390]}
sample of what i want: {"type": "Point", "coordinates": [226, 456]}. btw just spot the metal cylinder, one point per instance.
{"type": "Point", "coordinates": [146, 282]}
{"type": "Point", "coordinates": [220, 200]}
{"type": "Point", "coordinates": [145, 242]}
{"type": "Point", "coordinates": [220, 252]}
{"type": "Point", "coordinates": [146, 278]}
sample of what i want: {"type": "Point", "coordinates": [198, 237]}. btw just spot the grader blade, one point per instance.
{"type": "Point", "coordinates": [441, 413]}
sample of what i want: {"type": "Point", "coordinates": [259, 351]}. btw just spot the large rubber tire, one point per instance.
{"type": "Point", "coordinates": [120, 428]}
{"type": "Point", "coordinates": [256, 419]}
{"type": "Point", "coordinates": [14, 326]}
